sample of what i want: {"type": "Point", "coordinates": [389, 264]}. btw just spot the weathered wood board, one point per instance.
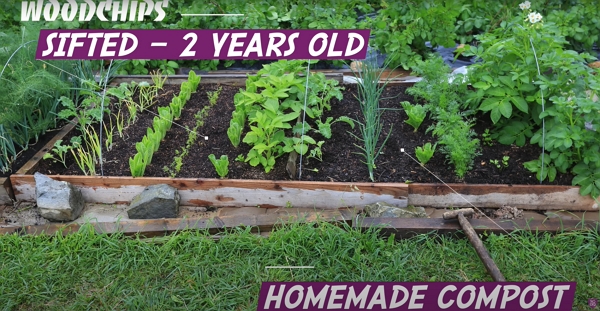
{"type": "Point", "coordinates": [408, 227]}
{"type": "Point", "coordinates": [529, 197]}
{"type": "Point", "coordinates": [158, 227]}
{"type": "Point", "coordinates": [228, 192]}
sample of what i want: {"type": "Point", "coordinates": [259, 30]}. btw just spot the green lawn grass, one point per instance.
{"type": "Point", "coordinates": [191, 271]}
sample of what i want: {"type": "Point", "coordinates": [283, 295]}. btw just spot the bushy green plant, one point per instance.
{"type": "Point", "coordinates": [401, 29]}
{"type": "Point", "coordinates": [272, 102]}
{"type": "Point", "coordinates": [477, 17]}
{"type": "Point", "coordinates": [537, 89]}
{"type": "Point", "coordinates": [30, 92]}
{"type": "Point", "coordinates": [443, 98]}
{"type": "Point", "coordinates": [579, 24]}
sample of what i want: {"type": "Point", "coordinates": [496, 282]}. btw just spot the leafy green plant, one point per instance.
{"type": "Point", "coordinates": [176, 107]}
{"type": "Point", "coordinates": [501, 164]}
{"type": "Point", "coordinates": [401, 29]}
{"type": "Point", "coordinates": [272, 102]}
{"type": "Point", "coordinates": [186, 91]}
{"type": "Point", "coordinates": [416, 114]}
{"type": "Point", "coordinates": [458, 143]}
{"type": "Point", "coordinates": [60, 151]}
{"type": "Point", "coordinates": [526, 64]}
{"type": "Point", "coordinates": [444, 101]}
{"type": "Point", "coordinates": [234, 132]}
{"type": "Point", "coordinates": [487, 138]}
{"type": "Point", "coordinates": [151, 141]}
{"type": "Point", "coordinates": [137, 165]}
{"type": "Point", "coordinates": [193, 80]}
{"type": "Point", "coordinates": [213, 96]}
{"type": "Point", "coordinates": [221, 164]}
{"type": "Point", "coordinates": [505, 160]}
{"type": "Point", "coordinates": [177, 163]}
{"type": "Point", "coordinates": [29, 100]}
{"type": "Point", "coordinates": [579, 24]}
{"type": "Point", "coordinates": [425, 153]}
{"type": "Point", "coordinates": [588, 178]}
{"type": "Point", "coordinates": [547, 170]}
{"type": "Point", "coordinates": [478, 17]}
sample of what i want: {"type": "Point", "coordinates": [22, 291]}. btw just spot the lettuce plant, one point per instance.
{"type": "Point", "coordinates": [176, 106]}
{"type": "Point", "coordinates": [221, 164]}
{"type": "Point", "coordinates": [416, 114]}
{"type": "Point", "coordinates": [425, 153]}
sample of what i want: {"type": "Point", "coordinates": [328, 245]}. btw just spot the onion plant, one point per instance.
{"type": "Point", "coordinates": [29, 92]}
{"type": "Point", "coordinates": [369, 94]}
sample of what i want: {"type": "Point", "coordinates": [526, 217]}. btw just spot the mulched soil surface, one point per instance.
{"type": "Point", "coordinates": [340, 161]}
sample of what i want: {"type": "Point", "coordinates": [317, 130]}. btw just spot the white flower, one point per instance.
{"type": "Point", "coordinates": [534, 17]}
{"type": "Point", "coordinates": [525, 5]}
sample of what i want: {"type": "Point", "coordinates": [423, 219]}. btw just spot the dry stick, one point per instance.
{"type": "Point", "coordinates": [482, 252]}
{"type": "Point", "coordinates": [485, 257]}
{"type": "Point", "coordinates": [475, 208]}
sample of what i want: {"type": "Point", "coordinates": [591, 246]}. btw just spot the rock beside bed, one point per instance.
{"type": "Point", "coordinates": [57, 200]}
{"type": "Point", "coordinates": [155, 202]}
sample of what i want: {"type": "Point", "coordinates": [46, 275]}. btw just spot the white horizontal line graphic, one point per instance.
{"type": "Point", "coordinates": [159, 44]}
{"type": "Point", "coordinates": [212, 14]}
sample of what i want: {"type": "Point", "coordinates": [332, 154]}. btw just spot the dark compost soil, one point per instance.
{"type": "Point", "coordinates": [340, 161]}
{"type": "Point", "coordinates": [34, 146]}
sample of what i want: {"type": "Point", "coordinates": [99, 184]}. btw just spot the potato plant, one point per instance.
{"type": "Point", "coordinates": [535, 89]}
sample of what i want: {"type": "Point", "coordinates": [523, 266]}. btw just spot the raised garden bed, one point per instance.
{"type": "Point", "coordinates": [34, 153]}
{"type": "Point", "coordinates": [340, 180]}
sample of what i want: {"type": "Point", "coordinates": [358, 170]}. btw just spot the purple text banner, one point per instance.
{"type": "Point", "coordinates": [416, 296]}
{"type": "Point", "coordinates": [202, 44]}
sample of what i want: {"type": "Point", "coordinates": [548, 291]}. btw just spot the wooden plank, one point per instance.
{"type": "Point", "coordinates": [158, 227]}
{"type": "Point", "coordinates": [32, 164]}
{"type": "Point", "coordinates": [229, 192]}
{"type": "Point", "coordinates": [6, 192]}
{"type": "Point", "coordinates": [408, 227]}
{"type": "Point", "coordinates": [528, 197]}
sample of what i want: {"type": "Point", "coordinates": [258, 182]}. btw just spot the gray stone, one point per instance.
{"type": "Point", "coordinates": [383, 209]}
{"type": "Point", "coordinates": [156, 201]}
{"type": "Point", "coordinates": [57, 200]}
